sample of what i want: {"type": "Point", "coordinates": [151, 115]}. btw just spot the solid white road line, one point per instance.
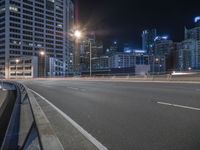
{"type": "Point", "coordinates": [78, 127]}
{"type": "Point", "coordinates": [180, 106]}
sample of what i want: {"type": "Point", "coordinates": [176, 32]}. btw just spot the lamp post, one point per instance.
{"type": "Point", "coordinates": [90, 43]}
{"type": "Point", "coordinates": [16, 62]}
{"type": "Point", "coordinates": [157, 60]}
{"type": "Point", "coordinates": [77, 35]}
{"type": "Point", "coordinates": [189, 68]}
{"type": "Point", "coordinates": [42, 54]}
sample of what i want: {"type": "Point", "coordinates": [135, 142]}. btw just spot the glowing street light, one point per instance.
{"type": "Point", "coordinates": [77, 34]}
{"type": "Point", "coordinates": [17, 60]}
{"type": "Point", "coordinates": [157, 59]}
{"type": "Point", "coordinates": [42, 53]}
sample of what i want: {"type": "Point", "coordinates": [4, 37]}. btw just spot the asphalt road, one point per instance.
{"type": "Point", "coordinates": [130, 116]}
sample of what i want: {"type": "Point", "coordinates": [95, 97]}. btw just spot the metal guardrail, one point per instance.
{"type": "Point", "coordinates": [29, 127]}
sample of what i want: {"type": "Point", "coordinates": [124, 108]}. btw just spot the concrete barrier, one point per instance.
{"type": "Point", "coordinates": [6, 107]}
{"type": "Point", "coordinates": [28, 126]}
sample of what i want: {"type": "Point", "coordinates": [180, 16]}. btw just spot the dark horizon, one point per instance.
{"type": "Point", "coordinates": [125, 20]}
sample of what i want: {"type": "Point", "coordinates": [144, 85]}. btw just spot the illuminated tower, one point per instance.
{"type": "Point", "coordinates": [148, 37]}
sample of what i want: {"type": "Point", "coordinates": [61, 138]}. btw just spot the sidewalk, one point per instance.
{"type": "Point", "coordinates": [3, 95]}
{"type": "Point", "coordinates": [68, 135]}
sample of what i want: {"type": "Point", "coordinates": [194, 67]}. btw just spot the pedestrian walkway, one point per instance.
{"type": "Point", "coordinates": [3, 95]}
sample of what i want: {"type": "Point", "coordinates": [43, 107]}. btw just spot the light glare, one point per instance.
{"type": "Point", "coordinates": [77, 34]}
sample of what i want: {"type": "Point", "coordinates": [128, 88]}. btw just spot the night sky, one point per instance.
{"type": "Point", "coordinates": [124, 20]}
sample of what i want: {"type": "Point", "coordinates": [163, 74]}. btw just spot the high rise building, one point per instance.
{"type": "Point", "coordinates": [193, 33]}
{"type": "Point", "coordinates": [28, 26]}
{"type": "Point", "coordinates": [189, 54]}
{"type": "Point", "coordinates": [189, 49]}
{"type": "Point", "coordinates": [96, 51]}
{"type": "Point", "coordinates": [163, 46]}
{"type": "Point", "coordinates": [113, 48]}
{"type": "Point", "coordinates": [148, 37]}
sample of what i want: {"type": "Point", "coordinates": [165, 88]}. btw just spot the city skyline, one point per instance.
{"type": "Point", "coordinates": [126, 20]}
{"type": "Point", "coordinates": [99, 74]}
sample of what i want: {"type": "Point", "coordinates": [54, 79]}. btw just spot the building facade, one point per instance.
{"type": "Point", "coordinates": [25, 67]}
{"type": "Point", "coordinates": [158, 64]}
{"type": "Point", "coordinates": [101, 63]}
{"type": "Point", "coordinates": [27, 27]}
{"type": "Point", "coordinates": [55, 67]}
{"type": "Point", "coordinates": [96, 52]}
{"type": "Point", "coordinates": [189, 49]}
{"type": "Point", "coordinates": [148, 37]}
{"type": "Point", "coordinates": [167, 48]}
{"type": "Point", "coordinates": [125, 60]}
{"type": "Point", "coordinates": [114, 48]}
{"type": "Point", "coordinates": [122, 60]}
{"type": "Point", "coordinates": [137, 63]}
{"type": "Point", "coordinates": [189, 55]}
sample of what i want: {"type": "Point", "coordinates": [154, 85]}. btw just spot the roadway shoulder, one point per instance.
{"type": "Point", "coordinates": [3, 95]}
{"type": "Point", "coordinates": [68, 135]}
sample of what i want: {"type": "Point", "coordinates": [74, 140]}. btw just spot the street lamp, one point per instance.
{"type": "Point", "coordinates": [77, 34]}
{"type": "Point", "coordinates": [90, 43]}
{"type": "Point", "coordinates": [157, 60]}
{"type": "Point", "coordinates": [160, 67]}
{"type": "Point", "coordinates": [16, 62]}
{"type": "Point", "coordinates": [43, 54]}
{"type": "Point", "coordinates": [154, 60]}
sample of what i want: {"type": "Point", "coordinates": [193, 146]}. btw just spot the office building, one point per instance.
{"type": "Point", "coordinates": [148, 37]}
{"type": "Point", "coordinates": [189, 49]}
{"type": "Point", "coordinates": [28, 26]}
{"type": "Point", "coordinates": [163, 46]}
{"type": "Point", "coordinates": [122, 60]}
{"type": "Point", "coordinates": [101, 63]}
{"type": "Point", "coordinates": [24, 67]}
{"type": "Point", "coordinates": [193, 33]}
{"type": "Point", "coordinates": [189, 55]}
{"type": "Point", "coordinates": [55, 67]}
{"type": "Point", "coordinates": [137, 63]}
{"type": "Point", "coordinates": [114, 48]}
{"type": "Point", "coordinates": [158, 64]}
{"type": "Point", "coordinates": [96, 52]}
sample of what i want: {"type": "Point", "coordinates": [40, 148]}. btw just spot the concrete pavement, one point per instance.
{"type": "Point", "coordinates": [123, 115]}
{"type": "Point", "coordinates": [3, 95]}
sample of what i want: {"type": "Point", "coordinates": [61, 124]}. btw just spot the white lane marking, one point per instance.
{"type": "Point", "coordinates": [180, 106]}
{"type": "Point", "coordinates": [197, 89]}
{"type": "Point", "coordinates": [48, 86]}
{"type": "Point", "coordinates": [73, 88]}
{"type": "Point", "coordinates": [76, 125]}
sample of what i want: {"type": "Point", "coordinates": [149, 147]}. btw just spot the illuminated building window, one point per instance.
{"type": "Point", "coordinates": [2, 9]}
{"type": "Point", "coordinates": [12, 8]}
